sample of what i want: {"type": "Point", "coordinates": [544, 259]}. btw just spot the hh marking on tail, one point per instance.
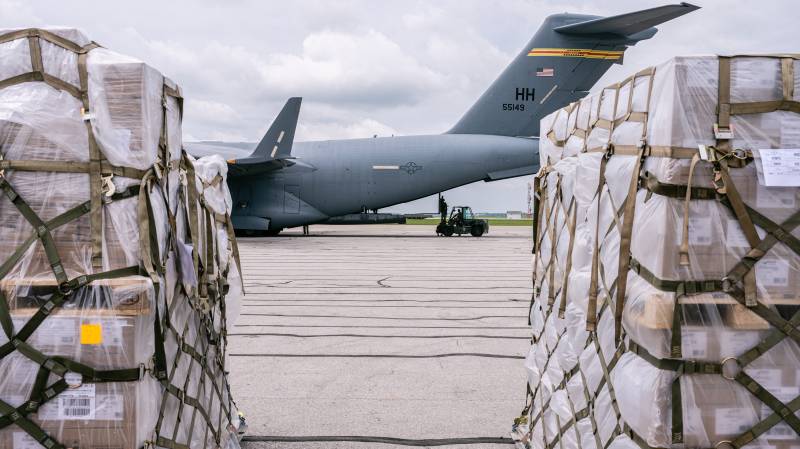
{"type": "Point", "coordinates": [525, 94]}
{"type": "Point", "coordinates": [576, 53]}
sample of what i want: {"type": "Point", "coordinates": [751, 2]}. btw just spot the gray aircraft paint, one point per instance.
{"type": "Point", "coordinates": [279, 184]}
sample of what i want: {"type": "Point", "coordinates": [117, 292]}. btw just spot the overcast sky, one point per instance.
{"type": "Point", "coordinates": [368, 67]}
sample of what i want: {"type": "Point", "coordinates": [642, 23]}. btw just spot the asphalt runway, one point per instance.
{"type": "Point", "coordinates": [382, 336]}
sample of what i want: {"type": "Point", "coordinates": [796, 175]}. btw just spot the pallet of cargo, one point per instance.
{"type": "Point", "coordinates": [666, 301]}
{"type": "Point", "coordinates": [119, 269]}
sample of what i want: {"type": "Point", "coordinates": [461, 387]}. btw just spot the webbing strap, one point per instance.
{"type": "Point", "coordinates": [41, 229]}
{"type": "Point", "coordinates": [775, 234]}
{"type": "Point", "coordinates": [781, 232]}
{"type": "Point", "coordinates": [770, 341]}
{"type": "Point", "coordinates": [45, 35]}
{"type": "Point", "coordinates": [625, 245]}
{"type": "Point", "coordinates": [770, 400]}
{"type": "Point", "coordinates": [95, 159]}
{"type": "Point", "coordinates": [554, 237]}
{"type": "Point", "coordinates": [746, 223]}
{"type": "Point", "coordinates": [541, 181]}
{"type": "Point", "coordinates": [591, 312]}
{"type": "Point", "coordinates": [36, 432]}
{"type": "Point", "coordinates": [684, 249]}
{"type": "Point", "coordinates": [678, 365]}
{"type": "Point", "coordinates": [70, 167]}
{"type": "Point", "coordinates": [671, 152]}
{"type": "Point", "coordinates": [572, 213]}
{"type": "Point", "coordinates": [688, 287]}
{"type": "Point", "coordinates": [193, 197]}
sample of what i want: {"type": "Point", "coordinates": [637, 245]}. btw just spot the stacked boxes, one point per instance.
{"type": "Point", "coordinates": [680, 357]}
{"type": "Point", "coordinates": [118, 262]}
{"type": "Point", "coordinates": [116, 332]}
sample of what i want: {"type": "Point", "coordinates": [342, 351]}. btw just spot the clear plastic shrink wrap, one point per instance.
{"type": "Point", "coordinates": [666, 270]}
{"type": "Point", "coordinates": [118, 263]}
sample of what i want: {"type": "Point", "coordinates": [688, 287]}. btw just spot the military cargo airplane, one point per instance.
{"type": "Point", "coordinates": [282, 184]}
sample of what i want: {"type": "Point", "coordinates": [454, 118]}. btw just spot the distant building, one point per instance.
{"type": "Point", "coordinates": [514, 215]}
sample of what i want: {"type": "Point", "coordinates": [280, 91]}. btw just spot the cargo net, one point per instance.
{"type": "Point", "coordinates": [118, 261]}
{"type": "Point", "coordinates": [666, 276]}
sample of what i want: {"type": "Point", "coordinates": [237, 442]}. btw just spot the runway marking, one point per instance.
{"type": "Point", "coordinates": [278, 334]}
{"type": "Point", "coordinates": [287, 315]}
{"type": "Point", "coordinates": [383, 300]}
{"type": "Point", "coordinates": [384, 356]}
{"type": "Point", "coordinates": [376, 306]}
{"type": "Point", "coordinates": [382, 327]}
{"type": "Point", "coordinates": [383, 440]}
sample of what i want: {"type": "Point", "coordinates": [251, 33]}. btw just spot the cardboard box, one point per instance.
{"type": "Point", "coordinates": [716, 245]}
{"type": "Point", "coordinates": [725, 409]}
{"type": "Point", "coordinates": [104, 326]}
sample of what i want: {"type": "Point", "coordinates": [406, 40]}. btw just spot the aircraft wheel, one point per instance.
{"type": "Point", "coordinates": [476, 231]}
{"type": "Point", "coordinates": [272, 232]}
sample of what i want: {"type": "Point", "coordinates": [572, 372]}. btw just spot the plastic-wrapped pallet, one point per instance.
{"type": "Point", "coordinates": [117, 257]}
{"type": "Point", "coordinates": [666, 297]}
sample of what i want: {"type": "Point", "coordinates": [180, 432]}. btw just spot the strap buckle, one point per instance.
{"type": "Point", "coordinates": [86, 115]}
{"type": "Point", "coordinates": [108, 187]}
{"type": "Point", "coordinates": [608, 150]}
{"type": "Point", "coordinates": [723, 132]}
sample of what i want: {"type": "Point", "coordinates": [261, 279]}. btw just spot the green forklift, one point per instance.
{"type": "Point", "coordinates": [461, 221]}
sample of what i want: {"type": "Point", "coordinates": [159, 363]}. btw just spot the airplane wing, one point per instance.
{"type": "Point", "coordinates": [273, 152]}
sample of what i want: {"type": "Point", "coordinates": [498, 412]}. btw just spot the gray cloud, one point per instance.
{"type": "Point", "coordinates": [366, 67]}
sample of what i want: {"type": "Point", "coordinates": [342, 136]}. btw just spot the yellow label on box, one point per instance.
{"type": "Point", "coordinates": [91, 334]}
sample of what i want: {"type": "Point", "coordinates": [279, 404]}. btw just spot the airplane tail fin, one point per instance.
{"type": "Point", "coordinates": [565, 58]}
{"type": "Point", "coordinates": [277, 142]}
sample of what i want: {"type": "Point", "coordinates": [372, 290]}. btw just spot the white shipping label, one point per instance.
{"type": "Point", "coordinates": [734, 235]}
{"type": "Point", "coordinates": [736, 343]}
{"type": "Point", "coordinates": [110, 407]}
{"type": "Point", "coordinates": [71, 405]}
{"type": "Point", "coordinates": [780, 431]}
{"type": "Point", "coordinates": [732, 421]}
{"type": "Point", "coordinates": [56, 332]}
{"type": "Point", "coordinates": [767, 378]}
{"type": "Point", "coordinates": [694, 343]}
{"type": "Point", "coordinates": [775, 197]}
{"type": "Point", "coordinates": [773, 272]}
{"type": "Point", "coordinates": [112, 331]}
{"type": "Point", "coordinates": [22, 440]}
{"type": "Point", "coordinates": [780, 167]}
{"type": "Point", "coordinates": [700, 231]}
{"type": "Point", "coordinates": [790, 131]}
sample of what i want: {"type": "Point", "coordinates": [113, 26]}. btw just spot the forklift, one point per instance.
{"type": "Point", "coordinates": [461, 221]}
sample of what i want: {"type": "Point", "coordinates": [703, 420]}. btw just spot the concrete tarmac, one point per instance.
{"type": "Point", "coordinates": [382, 331]}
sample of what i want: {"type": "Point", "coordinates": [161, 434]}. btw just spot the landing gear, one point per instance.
{"type": "Point", "coordinates": [258, 232]}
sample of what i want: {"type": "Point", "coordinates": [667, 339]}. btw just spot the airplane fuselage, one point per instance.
{"type": "Point", "coordinates": [348, 176]}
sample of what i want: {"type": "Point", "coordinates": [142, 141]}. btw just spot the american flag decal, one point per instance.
{"type": "Point", "coordinates": [545, 71]}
